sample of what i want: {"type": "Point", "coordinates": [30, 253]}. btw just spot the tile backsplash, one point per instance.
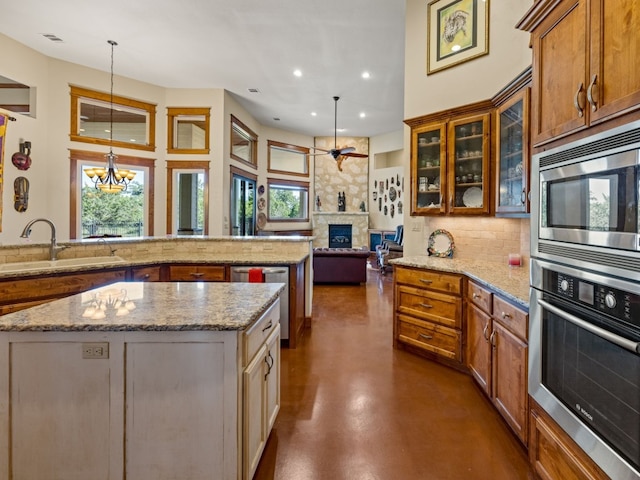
{"type": "Point", "coordinates": [487, 238]}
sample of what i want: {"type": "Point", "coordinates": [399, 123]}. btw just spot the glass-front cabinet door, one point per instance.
{"type": "Point", "coordinates": [469, 171]}
{"type": "Point", "coordinates": [428, 169]}
{"type": "Point", "coordinates": [512, 171]}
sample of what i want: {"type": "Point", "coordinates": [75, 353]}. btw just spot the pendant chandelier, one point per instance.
{"type": "Point", "coordinates": [110, 179]}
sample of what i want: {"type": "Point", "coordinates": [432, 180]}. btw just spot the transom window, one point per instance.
{"type": "Point", "coordinates": [290, 159]}
{"type": "Point", "coordinates": [244, 143]}
{"type": "Point", "coordinates": [288, 200]}
{"type": "Point", "coordinates": [91, 114]}
{"type": "Point", "coordinates": [188, 130]}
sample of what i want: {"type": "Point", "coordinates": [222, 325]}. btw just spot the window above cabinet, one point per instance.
{"type": "Point", "coordinates": [188, 130]}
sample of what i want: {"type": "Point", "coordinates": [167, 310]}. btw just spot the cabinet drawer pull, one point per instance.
{"type": "Point", "coordinates": [197, 274]}
{"type": "Point", "coordinates": [268, 326]}
{"type": "Point", "coordinates": [506, 315]}
{"type": "Point", "coordinates": [590, 91]}
{"type": "Point", "coordinates": [485, 332]}
{"type": "Point", "coordinates": [425, 305]}
{"type": "Point", "coordinates": [147, 275]}
{"type": "Point", "coordinates": [475, 295]}
{"type": "Point", "coordinates": [576, 100]}
{"type": "Point", "coordinates": [424, 280]}
{"type": "Point", "coordinates": [492, 339]}
{"type": "Point", "coordinates": [269, 365]}
{"type": "Point", "coordinates": [426, 337]}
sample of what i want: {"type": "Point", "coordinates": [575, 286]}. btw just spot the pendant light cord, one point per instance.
{"type": "Point", "coordinates": [113, 44]}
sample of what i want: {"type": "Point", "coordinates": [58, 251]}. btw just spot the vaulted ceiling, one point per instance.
{"type": "Point", "coordinates": [240, 45]}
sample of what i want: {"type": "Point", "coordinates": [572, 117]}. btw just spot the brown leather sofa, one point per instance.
{"type": "Point", "coordinates": [340, 265]}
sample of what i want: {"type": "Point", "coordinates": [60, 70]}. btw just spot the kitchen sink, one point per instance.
{"type": "Point", "coordinates": [64, 263]}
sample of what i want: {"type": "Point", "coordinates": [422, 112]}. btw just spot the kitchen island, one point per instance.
{"type": "Point", "coordinates": [140, 380]}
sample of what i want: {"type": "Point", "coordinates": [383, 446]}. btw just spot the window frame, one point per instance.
{"type": "Point", "coordinates": [290, 148]}
{"type": "Point", "coordinates": [173, 113]}
{"type": "Point", "coordinates": [179, 166]}
{"type": "Point", "coordinates": [77, 157]}
{"type": "Point", "coordinates": [271, 182]}
{"type": "Point", "coordinates": [244, 131]}
{"type": "Point", "coordinates": [79, 93]}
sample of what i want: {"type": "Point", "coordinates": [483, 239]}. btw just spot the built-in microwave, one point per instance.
{"type": "Point", "coordinates": [585, 208]}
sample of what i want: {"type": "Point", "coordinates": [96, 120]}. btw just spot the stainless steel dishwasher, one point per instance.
{"type": "Point", "coordinates": [271, 275]}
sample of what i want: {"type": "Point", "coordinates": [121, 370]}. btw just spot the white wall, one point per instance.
{"type": "Point", "coordinates": [393, 168]}
{"type": "Point", "coordinates": [49, 135]}
{"type": "Point", "coordinates": [478, 79]}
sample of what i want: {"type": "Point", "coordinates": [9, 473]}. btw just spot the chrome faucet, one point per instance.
{"type": "Point", "coordinates": [54, 248]}
{"type": "Point", "coordinates": [111, 249]}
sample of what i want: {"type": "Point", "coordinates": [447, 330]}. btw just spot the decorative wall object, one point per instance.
{"type": "Point", "coordinates": [458, 31]}
{"type": "Point", "coordinates": [21, 159]}
{"type": "Point", "coordinates": [21, 194]}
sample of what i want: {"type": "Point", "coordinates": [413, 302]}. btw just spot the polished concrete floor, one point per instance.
{"type": "Point", "coordinates": [353, 408]}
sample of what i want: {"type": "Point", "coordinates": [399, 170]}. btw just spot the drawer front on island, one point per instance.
{"type": "Point", "coordinates": [197, 273]}
{"type": "Point", "coordinates": [146, 274]}
{"type": "Point", "coordinates": [257, 334]}
{"type": "Point", "coordinates": [442, 341]}
{"type": "Point", "coordinates": [433, 306]}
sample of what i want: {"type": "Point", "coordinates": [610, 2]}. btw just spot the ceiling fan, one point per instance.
{"type": "Point", "coordinates": [335, 152]}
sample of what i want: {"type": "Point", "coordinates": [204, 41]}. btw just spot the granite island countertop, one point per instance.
{"type": "Point", "coordinates": [511, 282]}
{"type": "Point", "coordinates": [173, 306]}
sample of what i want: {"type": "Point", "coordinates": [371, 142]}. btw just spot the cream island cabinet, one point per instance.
{"type": "Point", "coordinates": [141, 381]}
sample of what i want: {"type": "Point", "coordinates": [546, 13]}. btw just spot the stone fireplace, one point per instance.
{"type": "Point", "coordinates": [357, 221]}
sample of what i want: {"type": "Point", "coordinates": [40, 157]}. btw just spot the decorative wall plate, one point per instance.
{"type": "Point", "coordinates": [440, 244]}
{"type": "Point", "coordinates": [262, 220]}
{"type": "Point", "coordinates": [392, 193]}
{"type": "Point", "coordinates": [261, 203]}
{"type": "Point", "coordinates": [261, 190]}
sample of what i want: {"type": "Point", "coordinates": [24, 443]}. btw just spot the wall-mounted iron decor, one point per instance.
{"type": "Point", "coordinates": [22, 159]}
{"type": "Point", "coordinates": [21, 194]}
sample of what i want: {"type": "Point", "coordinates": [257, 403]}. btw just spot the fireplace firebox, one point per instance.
{"type": "Point", "coordinates": [340, 235]}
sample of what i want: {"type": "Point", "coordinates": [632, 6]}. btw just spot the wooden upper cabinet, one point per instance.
{"type": "Point", "coordinates": [615, 48]}
{"type": "Point", "coordinates": [584, 70]}
{"type": "Point", "coordinates": [450, 161]}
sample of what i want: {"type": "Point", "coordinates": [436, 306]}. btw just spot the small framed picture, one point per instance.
{"type": "Point", "coordinates": [458, 31]}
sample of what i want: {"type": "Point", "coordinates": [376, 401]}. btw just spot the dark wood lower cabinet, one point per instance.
{"type": "Point", "coordinates": [553, 454]}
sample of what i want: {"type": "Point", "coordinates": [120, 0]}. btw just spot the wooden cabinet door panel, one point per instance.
{"type": "Point", "coordinates": [509, 378]}
{"type": "Point", "coordinates": [559, 67]}
{"type": "Point", "coordinates": [478, 347]}
{"type": "Point", "coordinates": [615, 48]}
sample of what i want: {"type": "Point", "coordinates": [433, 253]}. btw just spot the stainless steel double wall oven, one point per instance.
{"type": "Point", "coordinates": [584, 357]}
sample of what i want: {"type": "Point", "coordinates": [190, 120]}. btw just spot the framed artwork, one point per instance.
{"type": "Point", "coordinates": [457, 31]}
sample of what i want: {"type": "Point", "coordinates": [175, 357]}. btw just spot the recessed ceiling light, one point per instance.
{"type": "Point", "coordinates": [366, 75]}
{"type": "Point", "coordinates": [362, 114]}
{"type": "Point", "coordinates": [297, 72]}
{"type": "Point", "coordinates": [276, 119]}
{"type": "Point", "coordinates": [313, 114]}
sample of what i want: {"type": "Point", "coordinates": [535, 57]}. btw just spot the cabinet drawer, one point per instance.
{"type": "Point", "coordinates": [197, 273]}
{"type": "Point", "coordinates": [145, 274]}
{"type": "Point", "coordinates": [442, 282]}
{"type": "Point", "coordinates": [514, 319]}
{"type": "Point", "coordinates": [258, 333]}
{"type": "Point", "coordinates": [443, 341]}
{"type": "Point", "coordinates": [433, 306]}
{"type": "Point", "coordinates": [480, 296]}
{"type": "Point", "coordinates": [55, 286]}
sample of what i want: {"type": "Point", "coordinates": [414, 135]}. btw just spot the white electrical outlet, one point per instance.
{"type": "Point", "coordinates": [95, 350]}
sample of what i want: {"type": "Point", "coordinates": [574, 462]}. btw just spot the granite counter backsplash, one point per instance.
{"type": "Point", "coordinates": [511, 282]}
